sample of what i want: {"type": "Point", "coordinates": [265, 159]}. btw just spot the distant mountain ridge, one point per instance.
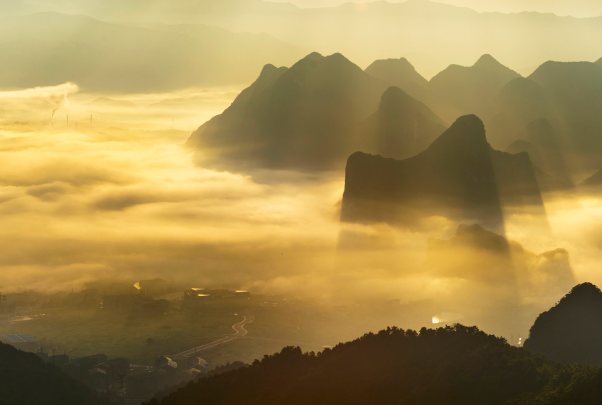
{"type": "Point", "coordinates": [52, 48]}
{"type": "Point", "coordinates": [26, 379]}
{"type": "Point", "coordinates": [456, 35]}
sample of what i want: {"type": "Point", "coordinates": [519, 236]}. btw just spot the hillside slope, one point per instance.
{"type": "Point", "coordinates": [26, 380]}
{"type": "Point", "coordinates": [311, 117]}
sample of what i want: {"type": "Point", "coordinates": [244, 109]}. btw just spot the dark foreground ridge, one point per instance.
{"type": "Point", "coordinates": [452, 365]}
{"type": "Point", "coordinates": [26, 380]}
{"type": "Point", "coordinates": [459, 176]}
{"type": "Point", "coordinates": [571, 332]}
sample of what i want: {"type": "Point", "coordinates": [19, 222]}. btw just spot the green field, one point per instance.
{"type": "Point", "coordinates": [141, 340]}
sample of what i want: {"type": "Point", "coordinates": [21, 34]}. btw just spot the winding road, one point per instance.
{"type": "Point", "coordinates": [239, 330]}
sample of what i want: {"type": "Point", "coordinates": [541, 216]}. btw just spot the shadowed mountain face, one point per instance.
{"type": "Point", "coordinates": [571, 331]}
{"type": "Point", "coordinates": [459, 176]}
{"type": "Point", "coordinates": [402, 126]}
{"type": "Point", "coordinates": [311, 117]}
{"type": "Point", "coordinates": [460, 90]}
{"type": "Point", "coordinates": [400, 73]}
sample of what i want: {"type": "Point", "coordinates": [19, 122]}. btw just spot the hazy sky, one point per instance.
{"type": "Point", "coordinates": [577, 8]}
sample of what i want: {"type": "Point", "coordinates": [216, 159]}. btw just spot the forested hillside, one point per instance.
{"type": "Point", "coordinates": [26, 380]}
{"type": "Point", "coordinates": [452, 365]}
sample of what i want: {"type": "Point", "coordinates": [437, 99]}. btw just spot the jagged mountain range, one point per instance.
{"type": "Point", "coordinates": [315, 114]}
{"type": "Point", "coordinates": [312, 117]}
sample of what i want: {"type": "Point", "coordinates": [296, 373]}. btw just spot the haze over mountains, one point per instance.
{"type": "Point", "coordinates": [312, 117]}
{"type": "Point", "coordinates": [577, 8]}
{"type": "Point", "coordinates": [558, 107]}
{"type": "Point", "coordinates": [494, 262]}
{"type": "Point", "coordinates": [109, 57]}
{"type": "Point", "coordinates": [441, 34]}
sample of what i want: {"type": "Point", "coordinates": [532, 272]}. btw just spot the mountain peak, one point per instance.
{"type": "Point", "coordinates": [313, 56]}
{"type": "Point", "coordinates": [268, 69]}
{"type": "Point", "coordinates": [467, 134]}
{"type": "Point", "coordinates": [570, 332]}
{"type": "Point", "coordinates": [401, 73]}
{"type": "Point", "coordinates": [487, 61]}
{"type": "Point", "coordinates": [394, 97]}
{"type": "Point", "coordinates": [582, 293]}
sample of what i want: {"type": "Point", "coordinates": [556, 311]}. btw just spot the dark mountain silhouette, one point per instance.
{"type": "Point", "coordinates": [402, 126]}
{"type": "Point", "coordinates": [460, 90]}
{"type": "Point", "coordinates": [311, 117]}
{"type": "Point", "coordinates": [452, 365]}
{"type": "Point", "coordinates": [400, 73]}
{"type": "Point", "coordinates": [459, 175]}
{"type": "Point", "coordinates": [51, 48]}
{"type": "Point", "coordinates": [26, 379]}
{"type": "Point", "coordinates": [571, 331]}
